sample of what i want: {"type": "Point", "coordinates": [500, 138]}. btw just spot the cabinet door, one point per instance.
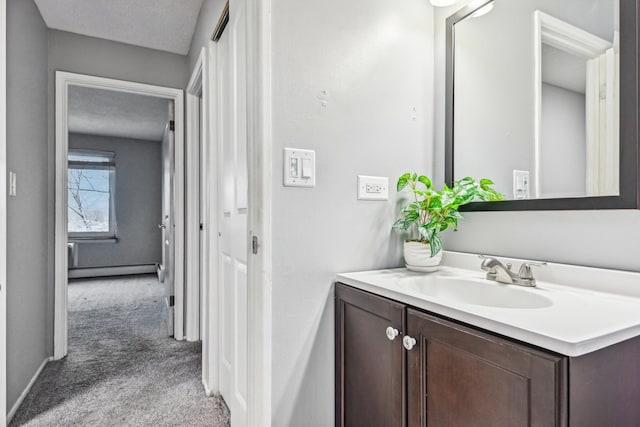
{"type": "Point", "coordinates": [370, 368]}
{"type": "Point", "coordinates": [458, 376]}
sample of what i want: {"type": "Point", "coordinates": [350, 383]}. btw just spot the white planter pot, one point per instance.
{"type": "Point", "coordinates": [418, 257]}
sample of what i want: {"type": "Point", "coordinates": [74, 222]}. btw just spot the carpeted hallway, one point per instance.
{"type": "Point", "coordinates": [122, 369]}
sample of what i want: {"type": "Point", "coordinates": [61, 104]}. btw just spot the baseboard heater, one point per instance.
{"type": "Point", "coordinates": [120, 270]}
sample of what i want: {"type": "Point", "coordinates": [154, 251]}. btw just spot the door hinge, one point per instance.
{"type": "Point", "coordinates": [254, 245]}
{"type": "Point", "coordinates": [172, 301]}
{"type": "Point", "coordinates": [172, 125]}
{"type": "Point", "coordinates": [201, 226]}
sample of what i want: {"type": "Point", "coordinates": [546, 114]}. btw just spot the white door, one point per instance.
{"type": "Point", "coordinates": [232, 75]}
{"type": "Point", "coordinates": [202, 215]}
{"type": "Point", "coordinates": [168, 222]}
{"type": "Point", "coordinates": [603, 129]}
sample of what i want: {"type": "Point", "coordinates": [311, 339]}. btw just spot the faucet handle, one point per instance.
{"type": "Point", "coordinates": [536, 264]}
{"type": "Point", "coordinates": [525, 269]}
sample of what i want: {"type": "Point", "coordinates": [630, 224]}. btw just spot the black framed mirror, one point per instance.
{"type": "Point", "coordinates": [542, 98]}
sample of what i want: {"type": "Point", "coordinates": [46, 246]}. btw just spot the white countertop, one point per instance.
{"type": "Point", "coordinates": [570, 320]}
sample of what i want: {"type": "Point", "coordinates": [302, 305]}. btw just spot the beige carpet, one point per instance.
{"type": "Point", "coordinates": [122, 369]}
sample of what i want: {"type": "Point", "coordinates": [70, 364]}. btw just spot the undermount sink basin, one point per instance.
{"type": "Point", "coordinates": [478, 292]}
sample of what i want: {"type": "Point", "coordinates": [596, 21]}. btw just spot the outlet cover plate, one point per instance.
{"type": "Point", "coordinates": [521, 185]}
{"type": "Point", "coordinates": [373, 187]}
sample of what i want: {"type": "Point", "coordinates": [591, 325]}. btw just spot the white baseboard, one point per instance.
{"type": "Point", "coordinates": [111, 271]}
{"type": "Point", "coordinates": [207, 391]}
{"type": "Point", "coordinates": [24, 393]}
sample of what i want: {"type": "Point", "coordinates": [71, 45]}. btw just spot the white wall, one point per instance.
{"type": "Point", "coordinates": [374, 60]}
{"type": "Point", "coordinates": [87, 55]}
{"type": "Point", "coordinates": [563, 147]}
{"type": "Point", "coordinates": [609, 239]}
{"type": "Point", "coordinates": [138, 201]}
{"type": "Point", "coordinates": [27, 212]}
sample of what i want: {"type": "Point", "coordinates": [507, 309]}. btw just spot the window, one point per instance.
{"type": "Point", "coordinates": [91, 185]}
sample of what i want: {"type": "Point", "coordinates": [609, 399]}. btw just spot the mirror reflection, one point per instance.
{"type": "Point", "coordinates": [536, 97]}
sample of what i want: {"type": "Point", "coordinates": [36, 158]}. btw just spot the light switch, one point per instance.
{"type": "Point", "coordinates": [13, 184]}
{"type": "Point", "coordinates": [520, 185]}
{"type": "Point", "coordinates": [306, 168]}
{"type": "Point", "coordinates": [299, 168]}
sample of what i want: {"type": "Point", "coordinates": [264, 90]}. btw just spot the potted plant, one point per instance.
{"type": "Point", "coordinates": [432, 211]}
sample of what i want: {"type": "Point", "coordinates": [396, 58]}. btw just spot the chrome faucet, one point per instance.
{"type": "Point", "coordinates": [501, 273]}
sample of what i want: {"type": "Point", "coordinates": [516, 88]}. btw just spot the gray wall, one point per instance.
{"type": "Point", "coordinates": [207, 20]}
{"type": "Point", "coordinates": [374, 59]}
{"type": "Point", "coordinates": [27, 213]}
{"type": "Point", "coordinates": [138, 203]}
{"type": "Point", "coordinates": [97, 57]}
{"type": "Point", "coordinates": [609, 239]}
{"type": "Point", "coordinates": [88, 55]}
{"type": "Point", "coordinates": [563, 143]}
{"type": "Point", "coordinates": [494, 113]}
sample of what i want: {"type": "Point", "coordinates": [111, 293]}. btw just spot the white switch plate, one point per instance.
{"type": "Point", "coordinates": [13, 184]}
{"type": "Point", "coordinates": [521, 185]}
{"type": "Point", "coordinates": [373, 187]}
{"type": "Point", "coordinates": [299, 168]}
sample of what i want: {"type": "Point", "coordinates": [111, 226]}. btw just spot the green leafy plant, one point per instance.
{"type": "Point", "coordinates": [432, 211]}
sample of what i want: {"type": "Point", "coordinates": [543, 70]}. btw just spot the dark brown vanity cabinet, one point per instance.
{"type": "Point", "coordinates": [457, 376]}
{"type": "Point", "coordinates": [437, 372]}
{"type": "Point", "coordinates": [370, 384]}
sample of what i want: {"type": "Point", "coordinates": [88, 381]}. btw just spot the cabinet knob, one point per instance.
{"type": "Point", "coordinates": [392, 333]}
{"type": "Point", "coordinates": [408, 342]}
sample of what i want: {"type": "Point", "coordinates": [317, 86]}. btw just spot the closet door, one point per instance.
{"type": "Point", "coordinates": [232, 88]}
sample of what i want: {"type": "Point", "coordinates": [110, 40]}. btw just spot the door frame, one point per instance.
{"type": "Point", "coordinates": [196, 172]}
{"type": "Point", "coordinates": [3, 213]}
{"type": "Point", "coordinates": [260, 171]}
{"type": "Point", "coordinates": [573, 40]}
{"type": "Point", "coordinates": [210, 335]}
{"type": "Point", "coordinates": [63, 81]}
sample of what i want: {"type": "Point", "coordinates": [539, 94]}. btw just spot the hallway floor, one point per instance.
{"type": "Point", "coordinates": [122, 369]}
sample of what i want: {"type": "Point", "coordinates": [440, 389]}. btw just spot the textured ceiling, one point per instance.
{"type": "Point", "coordinates": [157, 24]}
{"type": "Point", "coordinates": [110, 113]}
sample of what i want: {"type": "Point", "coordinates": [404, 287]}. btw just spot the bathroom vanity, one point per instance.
{"type": "Point", "coordinates": [453, 349]}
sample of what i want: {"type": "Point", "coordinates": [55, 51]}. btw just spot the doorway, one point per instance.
{"type": "Point", "coordinates": [196, 202]}
{"type": "Point", "coordinates": [105, 231]}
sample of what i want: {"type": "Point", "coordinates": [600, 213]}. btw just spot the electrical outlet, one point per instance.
{"type": "Point", "coordinates": [373, 188]}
